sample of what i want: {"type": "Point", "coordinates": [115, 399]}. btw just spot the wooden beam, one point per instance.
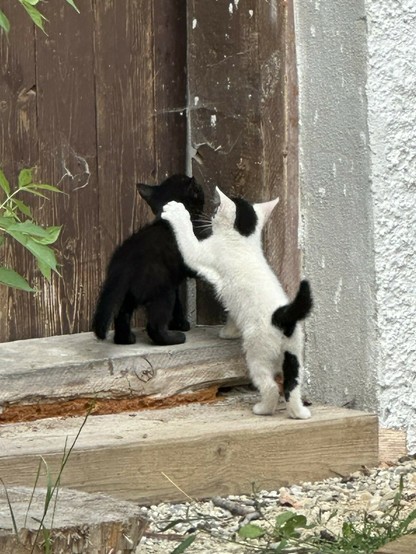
{"type": "Point", "coordinates": [403, 545]}
{"type": "Point", "coordinates": [392, 444]}
{"type": "Point", "coordinates": [79, 523]}
{"type": "Point", "coordinates": [206, 450]}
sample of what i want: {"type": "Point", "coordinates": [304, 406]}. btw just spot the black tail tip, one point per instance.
{"type": "Point", "coordinates": [305, 295]}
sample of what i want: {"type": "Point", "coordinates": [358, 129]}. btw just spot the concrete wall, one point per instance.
{"type": "Point", "coordinates": [337, 231]}
{"type": "Point", "coordinates": [391, 90]}
{"type": "Point", "coordinates": [358, 170]}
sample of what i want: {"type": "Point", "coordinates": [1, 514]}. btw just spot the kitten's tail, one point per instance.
{"type": "Point", "coordinates": [111, 296]}
{"type": "Point", "coordinates": [287, 316]}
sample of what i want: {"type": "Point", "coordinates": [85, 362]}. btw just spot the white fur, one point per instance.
{"type": "Point", "coordinates": [250, 292]}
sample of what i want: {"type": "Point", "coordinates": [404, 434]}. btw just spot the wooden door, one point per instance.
{"type": "Point", "coordinates": [117, 95]}
{"type": "Point", "coordinates": [94, 106]}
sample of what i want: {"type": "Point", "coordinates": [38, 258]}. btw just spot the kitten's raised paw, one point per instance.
{"type": "Point", "coordinates": [300, 412]}
{"type": "Point", "coordinates": [175, 211]}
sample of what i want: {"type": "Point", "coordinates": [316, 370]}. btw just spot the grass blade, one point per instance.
{"type": "Point", "coordinates": [10, 507]}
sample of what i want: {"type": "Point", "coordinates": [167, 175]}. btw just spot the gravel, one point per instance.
{"type": "Point", "coordinates": [326, 503]}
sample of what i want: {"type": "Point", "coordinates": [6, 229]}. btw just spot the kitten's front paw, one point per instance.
{"type": "Point", "coordinates": [179, 325]}
{"type": "Point", "coordinates": [300, 412]}
{"type": "Point", "coordinates": [175, 212]}
{"type": "Point", "coordinates": [229, 332]}
{"type": "Point", "coordinates": [264, 408]}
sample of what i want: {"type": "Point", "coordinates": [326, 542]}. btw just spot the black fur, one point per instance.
{"type": "Point", "coordinates": [287, 316]}
{"type": "Point", "coordinates": [245, 217]}
{"type": "Point", "coordinates": [290, 374]}
{"type": "Point", "coordinates": [147, 269]}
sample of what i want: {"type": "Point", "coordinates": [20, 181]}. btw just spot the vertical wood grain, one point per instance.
{"type": "Point", "coordinates": [169, 41]}
{"type": "Point", "coordinates": [238, 120]}
{"type": "Point", "coordinates": [18, 149]}
{"type": "Point", "coordinates": [125, 119]}
{"type": "Point", "coordinates": [67, 145]}
{"type": "Point", "coordinates": [105, 94]}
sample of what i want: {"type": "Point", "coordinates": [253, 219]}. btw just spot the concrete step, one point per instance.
{"type": "Point", "coordinates": [202, 449]}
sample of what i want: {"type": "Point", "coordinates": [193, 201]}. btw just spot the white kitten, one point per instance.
{"type": "Point", "coordinates": [232, 260]}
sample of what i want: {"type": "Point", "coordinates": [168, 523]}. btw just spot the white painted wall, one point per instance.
{"type": "Point", "coordinates": [391, 93]}
{"type": "Point", "coordinates": [357, 86]}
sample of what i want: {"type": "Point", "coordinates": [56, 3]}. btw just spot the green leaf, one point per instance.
{"type": "Point", "coordinates": [42, 253]}
{"type": "Point", "coordinates": [281, 546]}
{"type": "Point", "coordinates": [42, 186]}
{"type": "Point", "coordinates": [6, 222]}
{"type": "Point", "coordinates": [34, 14]}
{"type": "Point", "coordinates": [28, 227]}
{"type": "Point", "coordinates": [44, 269]}
{"type": "Point", "coordinates": [250, 531]}
{"type": "Point", "coordinates": [4, 22]}
{"type": "Point", "coordinates": [11, 278]}
{"type": "Point", "coordinates": [184, 545]}
{"type": "Point", "coordinates": [52, 234]}
{"type": "Point", "coordinates": [282, 518]}
{"type": "Point", "coordinates": [23, 208]}
{"type": "Point", "coordinates": [4, 183]}
{"type": "Point", "coordinates": [25, 178]}
{"type": "Point", "coordinates": [72, 3]}
{"type": "Point", "coordinates": [41, 235]}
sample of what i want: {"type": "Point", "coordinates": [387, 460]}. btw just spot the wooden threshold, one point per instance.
{"type": "Point", "coordinates": [201, 449]}
{"type": "Point", "coordinates": [64, 375]}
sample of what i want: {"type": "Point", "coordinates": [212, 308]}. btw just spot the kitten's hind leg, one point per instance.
{"type": "Point", "coordinates": [291, 386]}
{"type": "Point", "coordinates": [122, 329]}
{"type": "Point", "coordinates": [230, 330]}
{"type": "Point", "coordinates": [159, 314]}
{"type": "Point", "coordinates": [178, 321]}
{"type": "Point", "coordinates": [262, 377]}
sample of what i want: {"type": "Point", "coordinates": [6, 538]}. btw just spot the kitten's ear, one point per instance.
{"type": "Point", "coordinates": [145, 191]}
{"type": "Point", "coordinates": [266, 208]}
{"type": "Point", "coordinates": [223, 198]}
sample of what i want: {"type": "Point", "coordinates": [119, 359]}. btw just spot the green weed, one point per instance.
{"type": "Point", "coordinates": [292, 533]}
{"type": "Point", "coordinates": [51, 497]}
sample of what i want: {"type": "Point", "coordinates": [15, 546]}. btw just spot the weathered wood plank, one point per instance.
{"type": "Point", "coordinates": [169, 39]}
{"type": "Point", "coordinates": [195, 446]}
{"type": "Point", "coordinates": [125, 116]}
{"type": "Point", "coordinates": [392, 444]}
{"type": "Point", "coordinates": [67, 142]}
{"type": "Point", "coordinates": [403, 545]}
{"type": "Point", "coordinates": [238, 91]}
{"type": "Point", "coordinates": [18, 149]}
{"type": "Point", "coordinates": [79, 523]}
{"type": "Point", "coordinates": [73, 367]}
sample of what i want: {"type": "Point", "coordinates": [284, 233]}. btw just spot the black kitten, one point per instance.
{"type": "Point", "coordinates": [147, 269]}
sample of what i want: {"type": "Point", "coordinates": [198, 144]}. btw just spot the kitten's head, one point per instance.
{"type": "Point", "coordinates": [238, 215]}
{"type": "Point", "coordinates": [180, 188]}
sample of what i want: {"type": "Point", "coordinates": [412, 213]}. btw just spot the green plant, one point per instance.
{"type": "Point", "coordinates": [17, 223]}
{"type": "Point", "coordinates": [291, 533]}
{"type": "Point", "coordinates": [34, 13]}
{"type": "Point", "coordinates": [51, 497]}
